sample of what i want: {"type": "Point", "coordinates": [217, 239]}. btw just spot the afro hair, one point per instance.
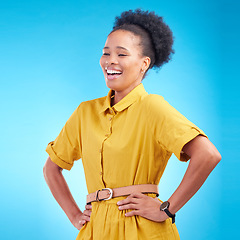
{"type": "Point", "coordinates": [156, 36]}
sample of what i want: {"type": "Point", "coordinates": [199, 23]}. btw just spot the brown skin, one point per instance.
{"type": "Point", "coordinates": [122, 52]}
{"type": "Point", "coordinates": [59, 188]}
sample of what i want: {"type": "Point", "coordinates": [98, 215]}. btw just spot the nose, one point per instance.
{"type": "Point", "coordinates": [112, 60]}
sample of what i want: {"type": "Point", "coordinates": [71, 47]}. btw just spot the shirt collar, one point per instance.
{"type": "Point", "coordinates": [128, 100]}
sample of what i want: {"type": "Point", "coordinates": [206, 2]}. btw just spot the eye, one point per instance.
{"type": "Point", "coordinates": [106, 54]}
{"type": "Point", "coordinates": [122, 55]}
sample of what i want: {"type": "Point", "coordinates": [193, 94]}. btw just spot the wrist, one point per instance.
{"type": "Point", "coordinates": [74, 216]}
{"type": "Point", "coordinates": [163, 216]}
{"type": "Point", "coordinates": [165, 208]}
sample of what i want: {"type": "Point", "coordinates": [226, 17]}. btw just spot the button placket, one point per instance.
{"type": "Point", "coordinates": [110, 118]}
{"type": "Point", "coordinates": [107, 135]}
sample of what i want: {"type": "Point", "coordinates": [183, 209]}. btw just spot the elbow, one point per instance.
{"type": "Point", "coordinates": [218, 157]}
{"type": "Point", "coordinates": [214, 157]}
{"type": "Point", "coordinates": [45, 171]}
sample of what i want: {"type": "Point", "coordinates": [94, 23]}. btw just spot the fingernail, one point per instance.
{"type": "Point", "coordinates": [118, 203]}
{"type": "Point", "coordinates": [120, 208]}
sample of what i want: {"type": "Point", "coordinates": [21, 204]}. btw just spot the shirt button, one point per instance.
{"type": "Point", "coordinates": [111, 111]}
{"type": "Point", "coordinates": [110, 119]}
{"type": "Point", "coordinates": [100, 173]}
{"type": "Point", "coordinates": [100, 150]}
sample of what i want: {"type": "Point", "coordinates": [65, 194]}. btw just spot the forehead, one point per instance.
{"type": "Point", "coordinates": [122, 38]}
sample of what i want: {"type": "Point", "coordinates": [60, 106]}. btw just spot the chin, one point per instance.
{"type": "Point", "coordinates": [113, 85]}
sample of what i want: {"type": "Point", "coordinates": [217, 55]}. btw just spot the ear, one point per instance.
{"type": "Point", "coordinates": [146, 63]}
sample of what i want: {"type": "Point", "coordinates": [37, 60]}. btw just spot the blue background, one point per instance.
{"type": "Point", "coordinates": [49, 63]}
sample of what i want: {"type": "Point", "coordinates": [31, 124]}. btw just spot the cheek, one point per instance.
{"type": "Point", "coordinates": [101, 62]}
{"type": "Point", "coordinates": [134, 68]}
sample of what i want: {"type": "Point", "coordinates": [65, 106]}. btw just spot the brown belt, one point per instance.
{"type": "Point", "coordinates": [108, 193]}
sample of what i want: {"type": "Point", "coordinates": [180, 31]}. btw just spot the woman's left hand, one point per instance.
{"type": "Point", "coordinates": [143, 206]}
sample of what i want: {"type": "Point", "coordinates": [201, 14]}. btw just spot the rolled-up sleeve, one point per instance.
{"type": "Point", "coordinates": [171, 129]}
{"type": "Point", "coordinates": [67, 147]}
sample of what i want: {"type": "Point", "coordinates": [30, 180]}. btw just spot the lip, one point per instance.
{"type": "Point", "coordinates": [112, 77]}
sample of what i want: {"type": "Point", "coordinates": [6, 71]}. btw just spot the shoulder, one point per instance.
{"type": "Point", "coordinates": [153, 98]}
{"type": "Point", "coordinates": [157, 109]}
{"type": "Point", "coordinates": [90, 106]}
{"type": "Point", "coordinates": [154, 102]}
{"type": "Point", "coordinates": [98, 102]}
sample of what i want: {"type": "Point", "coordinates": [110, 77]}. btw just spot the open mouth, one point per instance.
{"type": "Point", "coordinates": [113, 72]}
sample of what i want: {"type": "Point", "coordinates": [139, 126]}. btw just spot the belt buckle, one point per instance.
{"type": "Point", "coordinates": [104, 189]}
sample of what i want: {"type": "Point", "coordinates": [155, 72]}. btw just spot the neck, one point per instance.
{"type": "Point", "coordinates": [119, 95]}
{"type": "Point", "coordinates": [117, 98]}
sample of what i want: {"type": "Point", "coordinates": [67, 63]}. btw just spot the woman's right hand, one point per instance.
{"type": "Point", "coordinates": [83, 217]}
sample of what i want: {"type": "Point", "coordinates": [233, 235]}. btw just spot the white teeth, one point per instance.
{"type": "Point", "coordinates": [113, 71]}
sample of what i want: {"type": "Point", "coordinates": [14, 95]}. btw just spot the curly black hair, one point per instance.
{"type": "Point", "coordinates": [156, 36]}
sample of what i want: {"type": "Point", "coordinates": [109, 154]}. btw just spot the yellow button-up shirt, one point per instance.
{"type": "Point", "coordinates": [127, 144]}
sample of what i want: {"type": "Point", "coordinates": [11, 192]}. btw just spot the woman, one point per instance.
{"type": "Point", "coordinates": [125, 141]}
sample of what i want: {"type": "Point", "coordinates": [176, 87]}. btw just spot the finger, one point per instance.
{"type": "Point", "coordinates": [88, 207]}
{"type": "Point", "coordinates": [128, 200]}
{"type": "Point", "coordinates": [129, 206]}
{"type": "Point", "coordinates": [137, 195]}
{"type": "Point", "coordinates": [86, 218]}
{"type": "Point", "coordinates": [82, 222]}
{"type": "Point", "coordinates": [87, 212]}
{"type": "Point", "coordinates": [132, 213]}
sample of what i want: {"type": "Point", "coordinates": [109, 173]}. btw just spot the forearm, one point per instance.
{"type": "Point", "coordinates": [61, 192]}
{"type": "Point", "coordinates": [199, 168]}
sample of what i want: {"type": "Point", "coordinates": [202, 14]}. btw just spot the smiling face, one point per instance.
{"type": "Point", "coordinates": [122, 61]}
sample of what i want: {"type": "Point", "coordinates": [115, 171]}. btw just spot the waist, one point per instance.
{"type": "Point", "coordinates": [108, 193]}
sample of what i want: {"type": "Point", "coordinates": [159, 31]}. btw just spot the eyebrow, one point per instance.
{"type": "Point", "coordinates": [118, 47]}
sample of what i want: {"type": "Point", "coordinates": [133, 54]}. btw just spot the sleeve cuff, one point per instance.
{"type": "Point", "coordinates": [187, 137]}
{"type": "Point", "coordinates": [61, 163]}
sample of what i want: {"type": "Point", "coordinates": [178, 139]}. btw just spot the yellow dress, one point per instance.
{"type": "Point", "coordinates": [127, 144]}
